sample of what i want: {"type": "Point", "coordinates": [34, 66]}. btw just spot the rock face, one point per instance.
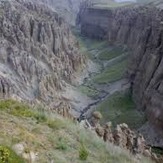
{"type": "Point", "coordinates": [68, 9]}
{"type": "Point", "coordinates": [141, 28]}
{"type": "Point", "coordinates": [38, 53]}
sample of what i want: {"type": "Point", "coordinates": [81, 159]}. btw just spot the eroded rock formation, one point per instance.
{"type": "Point", "coordinates": [141, 28]}
{"type": "Point", "coordinates": [121, 136]}
{"type": "Point", "coordinates": [38, 53]}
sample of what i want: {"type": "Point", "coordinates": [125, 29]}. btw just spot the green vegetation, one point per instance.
{"type": "Point", "coordinates": [88, 91]}
{"type": "Point", "coordinates": [83, 153]}
{"type": "Point", "coordinates": [157, 150]}
{"type": "Point", "coordinates": [55, 139]}
{"type": "Point", "coordinates": [40, 116]}
{"type": "Point", "coordinates": [22, 110]}
{"type": "Point", "coordinates": [95, 44]}
{"type": "Point", "coordinates": [119, 108]}
{"type": "Point", "coordinates": [87, 45]}
{"type": "Point", "coordinates": [104, 4]}
{"type": "Point", "coordinates": [15, 108]}
{"type": "Point", "coordinates": [110, 54]}
{"type": "Point", "coordinates": [61, 144]}
{"type": "Point", "coordinates": [9, 156]}
{"type": "Point", "coordinates": [56, 124]}
{"type": "Point", "coordinates": [113, 73]}
{"type": "Point", "coordinates": [146, 1]}
{"type": "Point", "coordinates": [90, 44]}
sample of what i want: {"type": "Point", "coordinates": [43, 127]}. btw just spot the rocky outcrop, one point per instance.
{"type": "Point", "coordinates": [141, 28]}
{"type": "Point", "coordinates": [38, 53]}
{"type": "Point", "coordinates": [68, 9]}
{"type": "Point", "coordinates": [121, 136]}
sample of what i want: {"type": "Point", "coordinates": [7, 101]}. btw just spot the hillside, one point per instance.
{"type": "Point", "coordinates": [45, 137]}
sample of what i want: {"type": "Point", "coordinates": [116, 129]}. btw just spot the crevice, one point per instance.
{"type": "Point", "coordinates": [39, 32]}
{"type": "Point", "coordinates": [31, 28]}
{"type": "Point", "coordinates": [53, 46]}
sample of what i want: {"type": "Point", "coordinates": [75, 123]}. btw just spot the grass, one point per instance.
{"type": "Point", "coordinates": [83, 153]}
{"type": "Point", "coordinates": [56, 142]}
{"type": "Point", "coordinates": [112, 73]}
{"type": "Point", "coordinates": [16, 108]}
{"type": "Point", "coordinates": [110, 54]}
{"type": "Point", "coordinates": [88, 91]}
{"type": "Point", "coordinates": [56, 124]}
{"type": "Point", "coordinates": [157, 150]}
{"type": "Point", "coordinates": [103, 4]}
{"type": "Point", "coordinates": [86, 45]}
{"type": "Point", "coordinates": [22, 110]}
{"type": "Point", "coordinates": [146, 1]}
{"type": "Point", "coordinates": [119, 108]}
{"type": "Point", "coordinates": [95, 44]}
{"type": "Point", "coordinates": [61, 144]}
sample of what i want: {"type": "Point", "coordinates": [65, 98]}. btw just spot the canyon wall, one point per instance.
{"type": "Point", "coordinates": [67, 9]}
{"type": "Point", "coordinates": [141, 28]}
{"type": "Point", "coordinates": [39, 56]}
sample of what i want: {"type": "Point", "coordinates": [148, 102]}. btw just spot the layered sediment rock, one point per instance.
{"type": "Point", "coordinates": [141, 28]}
{"type": "Point", "coordinates": [38, 53]}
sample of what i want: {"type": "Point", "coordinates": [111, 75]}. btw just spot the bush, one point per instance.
{"type": "Point", "coordinates": [61, 144]}
{"type": "Point", "coordinates": [40, 115]}
{"type": "Point", "coordinates": [56, 124]}
{"type": "Point", "coordinates": [21, 109]}
{"type": "Point", "coordinates": [4, 154]}
{"type": "Point", "coordinates": [9, 156]}
{"type": "Point", "coordinates": [83, 153]}
{"type": "Point", "coordinates": [16, 108]}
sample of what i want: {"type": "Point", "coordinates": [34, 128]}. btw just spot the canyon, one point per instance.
{"type": "Point", "coordinates": [54, 75]}
{"type": "Point", "coordinates": [140, 28]}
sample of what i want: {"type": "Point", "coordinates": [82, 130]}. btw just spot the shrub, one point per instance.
{"type": "Point", "coordinates": [4, 154]}
{"type": "Point", "coordinates": [83, 153]}
{"type": "Point", "coordinates": [61, 144]}
{"type": "Point", "coordinates": [40, 117]}
{"type": "Point", "coordinates": [16, 108]}
{"type": "Point", "coordinates": [56, 124]}
{"type": "Point", "coordinates": [20, 109]}
{"type": "Point", "coordinates": [9, 156]}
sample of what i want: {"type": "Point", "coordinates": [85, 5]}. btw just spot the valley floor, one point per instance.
{"type": "Point", "coordinates": [107, 87]}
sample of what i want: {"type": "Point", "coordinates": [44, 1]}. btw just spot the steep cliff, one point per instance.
{"type": "Point", "coordinates": [141, 28]}
{"type": "Point", "coordinates": [38, 53]}
{"type": "Point", "coordinates": [68, 9]}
